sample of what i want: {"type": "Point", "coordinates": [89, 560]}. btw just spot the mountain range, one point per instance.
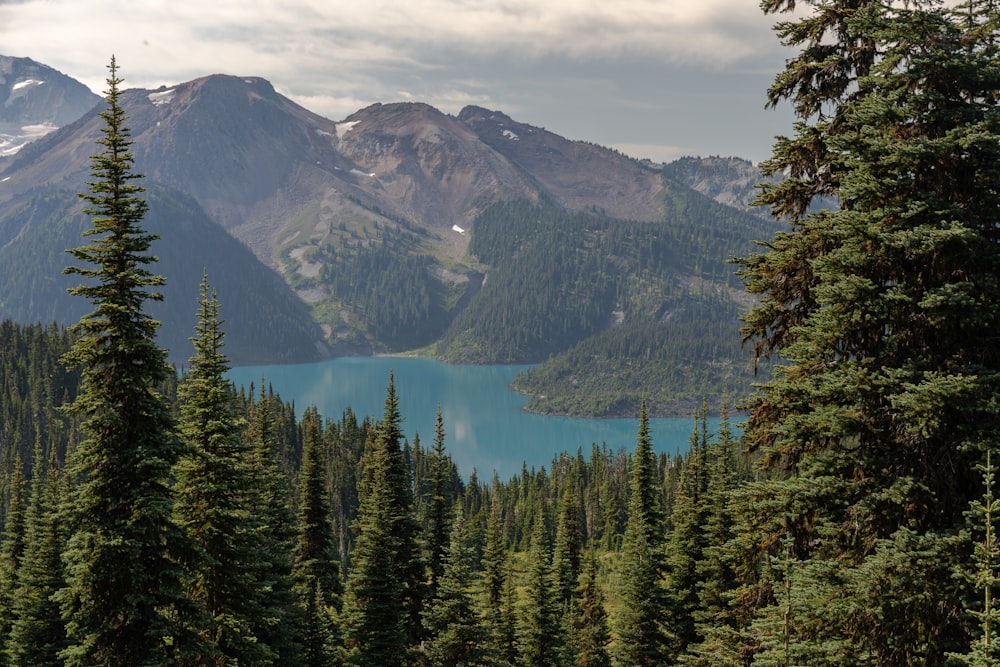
{"type": "Point", "coordinates": [366, 235]}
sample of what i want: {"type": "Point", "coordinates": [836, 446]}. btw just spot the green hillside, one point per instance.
{"type": "Point", "coordinates": [267, 323]}
{"type": "Point", "coordinates": [612, 309]}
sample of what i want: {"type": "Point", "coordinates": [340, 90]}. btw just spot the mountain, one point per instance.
{"type": "Point", "coordinates": [475, 237]}
{"type": "Point", "coordinates": [35, 100]}
{"type": "Point", "coordinates": [728, 180]}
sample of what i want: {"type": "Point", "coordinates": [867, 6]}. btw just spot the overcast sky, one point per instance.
{"type": "Point", "coordinates": [653, 78]}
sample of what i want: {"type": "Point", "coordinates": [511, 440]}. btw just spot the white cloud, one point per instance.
{"type": "Point", "coordinates": [541, 59]}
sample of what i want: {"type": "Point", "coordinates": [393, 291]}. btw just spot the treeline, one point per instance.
{"type": "Point", "coordinates": [378, 552]}
{"type": "Point", "coordinates": [535, 556]}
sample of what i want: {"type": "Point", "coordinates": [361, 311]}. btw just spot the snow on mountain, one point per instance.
{"type": "Point", "coordinates": [35, 100]}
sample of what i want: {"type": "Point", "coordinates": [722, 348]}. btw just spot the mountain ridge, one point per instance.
{"type": "Point", "coordinates": [369, 220]}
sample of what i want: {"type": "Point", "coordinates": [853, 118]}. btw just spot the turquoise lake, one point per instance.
{"type": "Point", "coordinates": [485, 427]}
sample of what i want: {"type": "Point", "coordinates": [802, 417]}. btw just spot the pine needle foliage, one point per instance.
{"type": "Point", "coordinates": [123, 602]}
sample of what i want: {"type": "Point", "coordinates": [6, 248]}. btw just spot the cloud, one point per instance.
{"type": "Point", "coordinates": [562, 62]}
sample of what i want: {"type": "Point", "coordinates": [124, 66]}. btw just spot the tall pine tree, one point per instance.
{"type": "Point", "coordinates": [212, 503]}
{"type": "Point", "coordinates": [384, 589]}
{"type": "Point", "coordinates": [124, 601]}
{"type": "Point", "coordinates": [317, 566]}
{"type": "Point", "coordinates": [642, 640]}
{"type": "Point", "coordinates": [883, 311]}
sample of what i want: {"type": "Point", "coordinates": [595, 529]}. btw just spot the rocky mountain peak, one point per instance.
{"type": "Point", "coordinates": [35, 99]}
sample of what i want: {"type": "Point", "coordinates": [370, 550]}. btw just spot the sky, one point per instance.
{"type": "Point", "coordinates": [656, 79]}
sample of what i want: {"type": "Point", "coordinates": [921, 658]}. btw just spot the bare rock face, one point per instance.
{"type": "Point", "coordinates": [278, 176]}
{"type": "Point", "coordinates": [575, 174]}
{"type": "Point", "coordinates": [35, 100]}
{"type": "Point", "coordinates": [728, 180]}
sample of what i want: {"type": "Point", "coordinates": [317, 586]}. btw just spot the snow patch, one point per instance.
{"type": "Point", "coordinates": [324, 133]}
{"type": "Point", "coordinates": [12, 143]}
{"type": "Point", "coordinates": [456, 228]}
{"type": "Point", "coordinates": [4, 180]}
{"type": "Point", "coordinates": [510, 135]}
{"type": "Point", "coordinates": [362, 173]}
{"type": "Point", "coordinates": [26, 83]}
{"type": "Point", "coordinates": [347, 126]}
{"type": "Point", "coordinates": [162, 97]}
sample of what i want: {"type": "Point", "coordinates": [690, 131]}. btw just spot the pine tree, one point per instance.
{"type": "Point", "coordinates": [456, 634]}
{"type": "Point", "coordinates": [12, 549]}
{"type": "Point", "coordinates": [641, 638]}
{"type": "Point", "coordinates": [883, 311]}
{"type": "Point", "coordinates": [985, 651]}
{"type": "Point", "coordinates": [38, 633]}
{"type": "Point", "coordinates": [540, 640]}
{"type": "Point", "coordinates": [275, 532]}
{"type": "Point", "coordinates": [438, 505]}
{"type": "Point", "coordinates": [495, 565]}
{"type": "Point", "coordinates": [591, 635]}
{"type": "Point", "coordinates": [383, 588]}
{"type": "Point", "coordinates": [317, 569]}
{"type": "Point", "coordinates": [567, 550]}
{"type": "Point", "coordinates": [212, 502]}
{"type": "Point", "coordinates": [124, 601]}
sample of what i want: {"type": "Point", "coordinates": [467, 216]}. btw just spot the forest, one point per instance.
{"type": "Point", "coordinates": [151, 517]}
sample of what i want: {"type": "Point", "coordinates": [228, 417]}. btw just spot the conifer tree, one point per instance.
{"type": "Point", "coordinates": [883, 311]}
{"type": "Point", "coordinates": [38, 633]}
{"type": "Point", "coordinates": [212, 501]}
{"type": "Point", "coordinates": [438, 505]}
{"type": "Point", "coordinates": [384, 586]}
{"type": "Point", "coordinates": [123, 602]}
{"type": "Point", "coordinates": [641, 638]}
{"type": "Point", "coordinates": [567, 550]}
{"type": "Point", "coordinates": [985, 650]}
{"type": "Point", "coordinates": [506, 640]}
{"type": "Point", "coordinates": [317, 568]}
{"type": "Point", "coordinates": [269, 503]}
{"type": "Point", "coordinates": [495, 566]}
{"type": "Point", "coordinates": [540, 639]}
{"type": "Point", "coordinates": [591, 635]}
{"type": "Point", "coordinates": [12, 549]}
{"type": "Point", "coordinates": [455, 633]}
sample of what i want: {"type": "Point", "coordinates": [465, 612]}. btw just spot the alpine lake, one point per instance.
{"type": "Point", "coordinates": [486, 428]}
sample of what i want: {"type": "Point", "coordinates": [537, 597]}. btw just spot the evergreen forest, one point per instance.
{"type": "Point", "coordinates": [151, 517]}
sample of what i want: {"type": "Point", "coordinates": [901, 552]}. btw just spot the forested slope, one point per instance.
{"type": "Point", "coordinates": [268, 322]}
{"type": "Point", "coordinates": [613, 309]}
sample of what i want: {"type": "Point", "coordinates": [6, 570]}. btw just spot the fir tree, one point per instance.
{"type": "Point", "coordinates": [495, 565]}
{"type": "Point", "coordinates": [383, 588]}
{"type": "Point", "coordinates": [985, 651]}
{"type": "Point", "coordinates": [591, 635]}
{"type": "Point", "coordinates": [883, 311]}
{"type": "Point", "coordinates": [540, 640]}
{"type": "Point", "coordinates": [38, 633]}
{"type": "Point", "coordinates": [12, 549]}
{"type": "Point", "coordinates": [123, 601]}
{"type": "Point", "coordinates": [566, 552]}
{"type": "Point", "coordinates": [456, 634]}
{"type": "Point", "coordinates": [212, 502]}
{"type": "Point", "coordinates": [317, 569]}
{"type": "Point", "coordinates": [438, 505]}
{"type": "Point", "coordinates": [275, 532]}
{"type": "Point", "coordinates": [641, 638]}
